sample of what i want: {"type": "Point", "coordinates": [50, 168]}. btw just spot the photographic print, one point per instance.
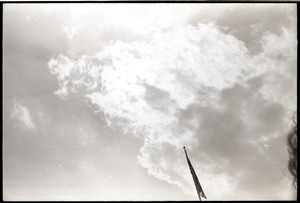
{"type": "Point", "coordinates": [149, 101]}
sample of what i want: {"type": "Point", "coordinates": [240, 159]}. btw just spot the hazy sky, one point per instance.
{"type": "Point", "coordinates": [99, 99]}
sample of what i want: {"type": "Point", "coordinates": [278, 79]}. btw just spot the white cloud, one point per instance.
{"type": "Point", "coordinates": [147, 85]}
{"type": "Point", "coordinates": [61, 67]}
{"type": "Point", "coordinates": [71, 32]}
{"type": "Point", "coordinates": [22, 114]}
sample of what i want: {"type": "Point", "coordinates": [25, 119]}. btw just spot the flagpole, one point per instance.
{"type": "Point", "coordinates": [199, 190]}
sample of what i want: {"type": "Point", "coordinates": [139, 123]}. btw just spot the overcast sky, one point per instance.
{"type": "Point", "coordinates": [99, 99]}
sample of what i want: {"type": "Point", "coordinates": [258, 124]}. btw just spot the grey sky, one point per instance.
{"type": "Point", "coordinates": [99, 99]}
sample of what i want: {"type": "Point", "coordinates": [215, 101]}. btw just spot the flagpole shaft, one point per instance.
{"type": "Point", "coordinates": [193, 175]}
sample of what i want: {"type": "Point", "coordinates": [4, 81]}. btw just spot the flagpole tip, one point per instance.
{"type": "Point", "coordinates": [183, 147]}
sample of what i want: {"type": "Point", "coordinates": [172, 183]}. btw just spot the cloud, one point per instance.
{"type": "Point", "coordinates": [22, 114]}
{"type": "Point", "coordinates": [71, 32]}
{"type": "Point", "coordinates": [251, 28]}
{"type": "Point", "coordinates": [198, 87]}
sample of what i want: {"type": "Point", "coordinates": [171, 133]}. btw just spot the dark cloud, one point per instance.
{"type": "Point", "coordinates": [227, 137]}
{"type": "Point", "coordinates": [251, 21]}
{"type": "Point", "coordinates": [157, 98]}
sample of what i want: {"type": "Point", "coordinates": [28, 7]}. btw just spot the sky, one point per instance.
{"type": "Point", "coordinates": [99, 100]}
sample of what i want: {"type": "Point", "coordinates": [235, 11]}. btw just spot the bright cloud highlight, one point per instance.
{"type": "Point", "coordinates": [22, 114]}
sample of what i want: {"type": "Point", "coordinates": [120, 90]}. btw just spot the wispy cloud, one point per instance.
{"type": "Point", "coordinates": [194, 86]}
{"type": "Point", "coordinates": [22, 114]}
{"type": "Point", "coordinates": [71, 32]}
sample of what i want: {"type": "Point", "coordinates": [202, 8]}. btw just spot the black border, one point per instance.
{"type": "Point", "coordinates": [156, 1]}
